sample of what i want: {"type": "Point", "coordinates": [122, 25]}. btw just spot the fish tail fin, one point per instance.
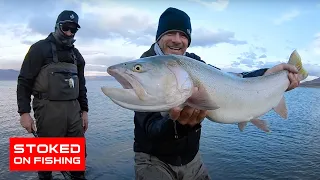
{"type": "Point", "coordinates": [295, 60]}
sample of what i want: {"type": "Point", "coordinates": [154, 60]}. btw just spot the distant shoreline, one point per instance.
{"type": "Point", "coordinates": [12, 75]}
{"type": "Point", "coordinates": [310, 86]}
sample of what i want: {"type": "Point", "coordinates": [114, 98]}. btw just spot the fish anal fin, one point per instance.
{"type": "Point", "coordinates": [281, 108]}
{"type": "Point", "coordinates": [242, 125]}
{"type": "Point", "coordinates": [200, 99]}
{"type": "Point", "coordinates": [261, 124]}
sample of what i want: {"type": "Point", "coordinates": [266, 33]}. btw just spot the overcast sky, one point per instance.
{"type": "Point", "coordinates": [233, 35]}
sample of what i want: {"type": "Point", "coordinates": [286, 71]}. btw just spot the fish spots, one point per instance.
{"type": "Point", "coordinates": [172, 64]}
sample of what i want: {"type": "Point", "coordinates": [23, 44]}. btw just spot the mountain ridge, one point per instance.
{"type": "Point", "coordinates": [11, 74]}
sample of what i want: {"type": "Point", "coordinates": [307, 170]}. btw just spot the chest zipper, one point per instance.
{"type": "Point", "coordinates": [176, 137]}
{"type": "Point", "coordinates": [175, 130]}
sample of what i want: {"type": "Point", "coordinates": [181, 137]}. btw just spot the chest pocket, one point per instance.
{"type": "Point", "coordinates": [63, 81]}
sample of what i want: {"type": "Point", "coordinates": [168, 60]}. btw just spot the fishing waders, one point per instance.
{"type": "Point", "coordinates": [55, 105]}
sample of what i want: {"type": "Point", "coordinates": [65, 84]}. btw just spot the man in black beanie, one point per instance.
{"type": "Point", "coordinates": [167, 148]}
{"type": "Point", "coordinates": [53, 72]}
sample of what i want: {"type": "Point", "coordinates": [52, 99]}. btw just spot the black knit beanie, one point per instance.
{"type": "Point", "coordinates": [174, 19]}
{"type": "Point", "coordinates": [68, 16]}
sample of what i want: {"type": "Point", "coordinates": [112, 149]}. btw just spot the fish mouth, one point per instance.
{"type": "Point", "coordinates": [122, 78]}
{"type": "Point", "coordinates": [128, 82]}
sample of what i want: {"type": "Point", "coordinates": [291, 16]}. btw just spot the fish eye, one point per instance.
{"type": "Point", "coordinates": [137, 68]}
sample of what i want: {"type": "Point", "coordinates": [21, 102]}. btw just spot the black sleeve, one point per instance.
{"type": "Point", "coordinates": [30, 68]}
{"type": "Point", "coordinates": [255, 73]}
{"type": "Point", "coordinates": [83, 100]}
{"type": "Point", "coordinates": [154, 125]}
{"type": "Point", "coordinates": [194, 56]}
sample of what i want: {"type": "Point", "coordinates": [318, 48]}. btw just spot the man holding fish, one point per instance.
{"type": "Point", "coordinates": [167, 145]}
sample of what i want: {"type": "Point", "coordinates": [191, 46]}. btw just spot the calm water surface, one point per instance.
{"type": "Point", "coordinates": [290, 151]}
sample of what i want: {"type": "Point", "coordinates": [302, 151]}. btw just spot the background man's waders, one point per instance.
{"type": "Point", "coordinates": [55, 105]}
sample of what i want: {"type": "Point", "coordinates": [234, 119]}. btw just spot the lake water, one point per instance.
{"type": "Point", "coordinates": [290, 151]}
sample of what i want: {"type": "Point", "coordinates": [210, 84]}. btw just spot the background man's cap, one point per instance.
{"type": "Point", "coordinates": [68, 16]}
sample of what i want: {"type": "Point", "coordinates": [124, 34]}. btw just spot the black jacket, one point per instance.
{"type": "Point", "coordinates": [39, 55]}
{"type": "Point", "coordinates": [155, 134]}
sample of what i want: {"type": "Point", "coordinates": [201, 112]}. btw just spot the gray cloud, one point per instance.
{"type": "Point", "coordinates": [262, 56]}
{"type": "Point", "coordinates": [233, 69]}
{"type": "Point", "coordinates": [262, 49]}
{"type": "Point", "coordinates": [27, 42]}
{"type": "Point", "coordinates": [133, 28]}
{"type": "Point", "coordinates": [266, 64]}
{"type": "Point", "coordinates": [235, 64]}
{"type": "Point", "coordinates": [204, 38]}
{"type": "Point", "coordinates": [93, 67]}
{"type": "Point", "coordinates": [10, 64]}
{"type": "Point", "coordinates": [20, 11]}
{"type": "Point", "coordinates": [250, 59]}
{"type": "Point", "coordinates": [313, 69]}
{"type": "Point", "coordinates": [105, 60]}
{"type": "Point", "coordinates": [250, 55]}
{"type": "Point", "coordinates": [100, 62]}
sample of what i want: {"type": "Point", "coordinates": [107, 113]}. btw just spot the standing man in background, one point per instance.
{"type": "Point", "coordinates": [167, 148]}
{"type": "Point", "coordinates": [53, 72]}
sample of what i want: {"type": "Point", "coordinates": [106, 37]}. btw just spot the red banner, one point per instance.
{"type": "Point", "coordinates": [47, 154]}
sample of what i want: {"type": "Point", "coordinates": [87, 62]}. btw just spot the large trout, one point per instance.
{"type": "Point", "coordinates": [159, 83]}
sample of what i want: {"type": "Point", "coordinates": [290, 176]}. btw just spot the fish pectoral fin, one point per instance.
{"type": "Point", "coordinates": [200, 99]}
{"type": "Point", "coordinates": [261, 124]}
{"type": "Point", "coordinates": [242, 125]}
{"type": "Point", "coordinates": [281, 108]}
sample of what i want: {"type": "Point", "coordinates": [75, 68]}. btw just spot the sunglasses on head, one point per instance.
{"type": "Point", "coordinates": [66, 27]}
